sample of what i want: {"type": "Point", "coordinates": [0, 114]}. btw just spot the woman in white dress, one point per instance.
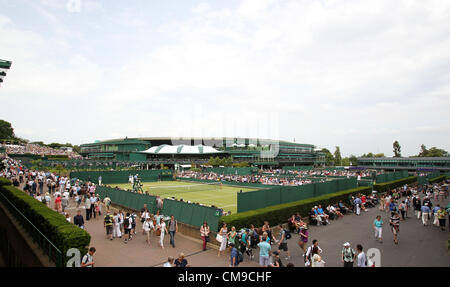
{"type": "Point", "coordinates": [148, 226]}
{"type": "Point", "coordinates": [116, 226]}
{"type": "Point", "coordinates": [317, 259]}
{"type": "Point", "coordinates": [163, 229]}
{"type": "Point", "coordinates": [223, 245]}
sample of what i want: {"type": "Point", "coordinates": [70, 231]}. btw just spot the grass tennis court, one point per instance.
{"type": "Point", "coordinates": [223, 196]}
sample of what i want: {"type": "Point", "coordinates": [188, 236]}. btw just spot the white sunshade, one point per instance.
{"type": "Point", "coordinates": [181, 149]}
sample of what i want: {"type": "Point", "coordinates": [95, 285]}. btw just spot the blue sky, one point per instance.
{"type": "Point", "coordinates": [357, 74]}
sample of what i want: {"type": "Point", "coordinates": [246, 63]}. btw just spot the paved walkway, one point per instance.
{"type": "Point", "coordinates": [418, 245]}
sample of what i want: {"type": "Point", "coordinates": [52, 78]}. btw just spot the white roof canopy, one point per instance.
{"type": "Point", "coordinates": [181, 149]}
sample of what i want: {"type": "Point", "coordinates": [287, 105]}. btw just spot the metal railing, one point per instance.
{"type": "Point", "coordinates": [43, 242]}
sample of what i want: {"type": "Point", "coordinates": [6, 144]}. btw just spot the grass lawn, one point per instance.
{"type": "Point", "coordinates": [211, 194]}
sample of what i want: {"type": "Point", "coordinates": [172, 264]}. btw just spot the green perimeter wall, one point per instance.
{"type": "Point", "coordinates": [184, 212]}
{"type": "Point", "coordinates": [284, 194]}
{"type": "Point", "coordinates": [111, 177]}
{"type": "Point", "coordinates": [391, 176]}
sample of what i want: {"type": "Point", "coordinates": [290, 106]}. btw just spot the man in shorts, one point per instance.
{"type": "Point", "coordinates": [264, 250]}
{"type": "Point", "coordinates": [282, 243]}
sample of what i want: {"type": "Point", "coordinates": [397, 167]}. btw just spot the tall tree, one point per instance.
{"type": "Point", "coordinates": [353, 160]}
{"type": "Point", "coordinates": [329, 160]}
{"type": "Point", "coordinates": [345, 161]}
{"type": "Point", "coordinates": [397, 149]}
{"type": "Point", "coordinates": [6, 130]}
{"type": "Point", "coordinates": [423, 150]}
{"type": "Point", "coordinates": [337, 156]}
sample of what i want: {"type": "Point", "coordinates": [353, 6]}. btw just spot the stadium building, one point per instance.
{"type": "Point", "coordinates": [170, 151]}
{"type": "Point", "coordinates": [406, 163]}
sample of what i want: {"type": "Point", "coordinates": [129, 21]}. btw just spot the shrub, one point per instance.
{"type": "Point", "coordinates": [386, 186]}
{"type": "Point", "coordinates": [280, 213]}
{"type": "Point", "coordinates": [53, 225]}
{"type": "Point", "coordinates": [437, 179]}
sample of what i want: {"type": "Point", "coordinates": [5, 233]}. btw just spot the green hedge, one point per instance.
{"type": "Point", "coordinates": [437, 179]}
{"type": "Point", "coordinates": [386, 186]}
{"type": "Point", "coordinates": [53, 225]}
{"type": "Point", "coordinates": [281, 213]}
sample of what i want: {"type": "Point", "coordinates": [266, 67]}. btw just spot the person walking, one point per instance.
{"type": "Point", "coordinates": [425, 209]}
{"type": "Point", "coordinates": [78, 220]}
{"type": "Point", "coordinates": [348, 255]}
{"type": "Point", "coordinates": [402, 208]}
{"type": "Point", "coordinates": [204, 233]}
{"type": "Point", "coordinates": [232, 236]}
{"type": "Point", "coordinates": [108, 224]}
{"type": "Point", "coordinates": [308, 255]}
{"type": "Point", "coordinates": [107, 202]}
{"type": "Point", "coordinates": [435, 215]}
{"type": "Point", "coordinates": [303, 240]}
{"type": "Point", "coordinates": [88, 259]}
{"type": "Point", "coordinates": [173, 228]}
{"type": "Point", "coordinates": [127, 226]}
{"type": "Point", "coordinates": [87, 205]}
{"type": "Point", "coordinates": [282, 243]}
{"type": "Point", "coordinates": [148, 227]}
{"type": "Point", "coordinates": [317, 260]}
{"type": "Point", "coordinates": [264, 249]}
{"type": "Point", "coordinates": [163, 229]}
{"type": "Point", "coordinates": [223, 244]}
{"type": "Point", "coordinates": [417, 206]}
{"type": "Point", "coordinates": [116, 226]}
{"type": "Point", "coordinates": [234, 255]}
{"type": "Point", "coordinates": [361, 260]}
{"type": "Point", "coordinates": [395, 226]}
{"type": "Point", "coordinates": [58, 203]}
{"type": "Point", "coordinates": [441, 217]}
{"type": "Point", "coordinates": [378, 226]}
{"type": "Point", "coordinates": [169, 262]}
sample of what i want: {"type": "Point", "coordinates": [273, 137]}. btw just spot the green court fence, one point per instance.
{"type": "Point", "coordinates": [184, 212]}
{"type": "Point", "coordinates": [111, 177]}
{"type": "Point", "coordinates": [391, 176]}
{"type": "Point", "coordinates": [284, 194]}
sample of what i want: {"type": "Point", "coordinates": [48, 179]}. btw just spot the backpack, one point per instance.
{"type": "Point", "coordinates": [287, 234]}
{"type": "Point", "coordinates": [43, 200]}
{"type": "Point", "coordinates": [126, 222]}
{"type": "Point", "coordinates": [108, 219]}
{"type": "Point", "coordinates": [240, 256]}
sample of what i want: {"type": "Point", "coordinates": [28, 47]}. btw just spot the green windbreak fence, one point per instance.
{"type": "Point", "coordinates": [283, 194]}
{"type": "Point", "coordinates": [192, 214]}
{"type": "Point", "coordinates": [184, 212]}
{"type": "Point", "coordinates": [111, 177]}
{"type": "Point", "coordinates": [128, 199]}
{"type": "Point", "coordinates": [233, 170]}
{"type": "Point", "coordinates": [381, 178]}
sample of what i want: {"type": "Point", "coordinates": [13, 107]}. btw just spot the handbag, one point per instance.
{"type": "Point", "coordinates": [219, 238]}
{"type": "Point", "coordinates": [207, 238]}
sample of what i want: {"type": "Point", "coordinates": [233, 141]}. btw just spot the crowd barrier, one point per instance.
{"type": "Point", "coordinates": [284, 194]}
{"type": "Point", "coordinates": [188, 213]}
